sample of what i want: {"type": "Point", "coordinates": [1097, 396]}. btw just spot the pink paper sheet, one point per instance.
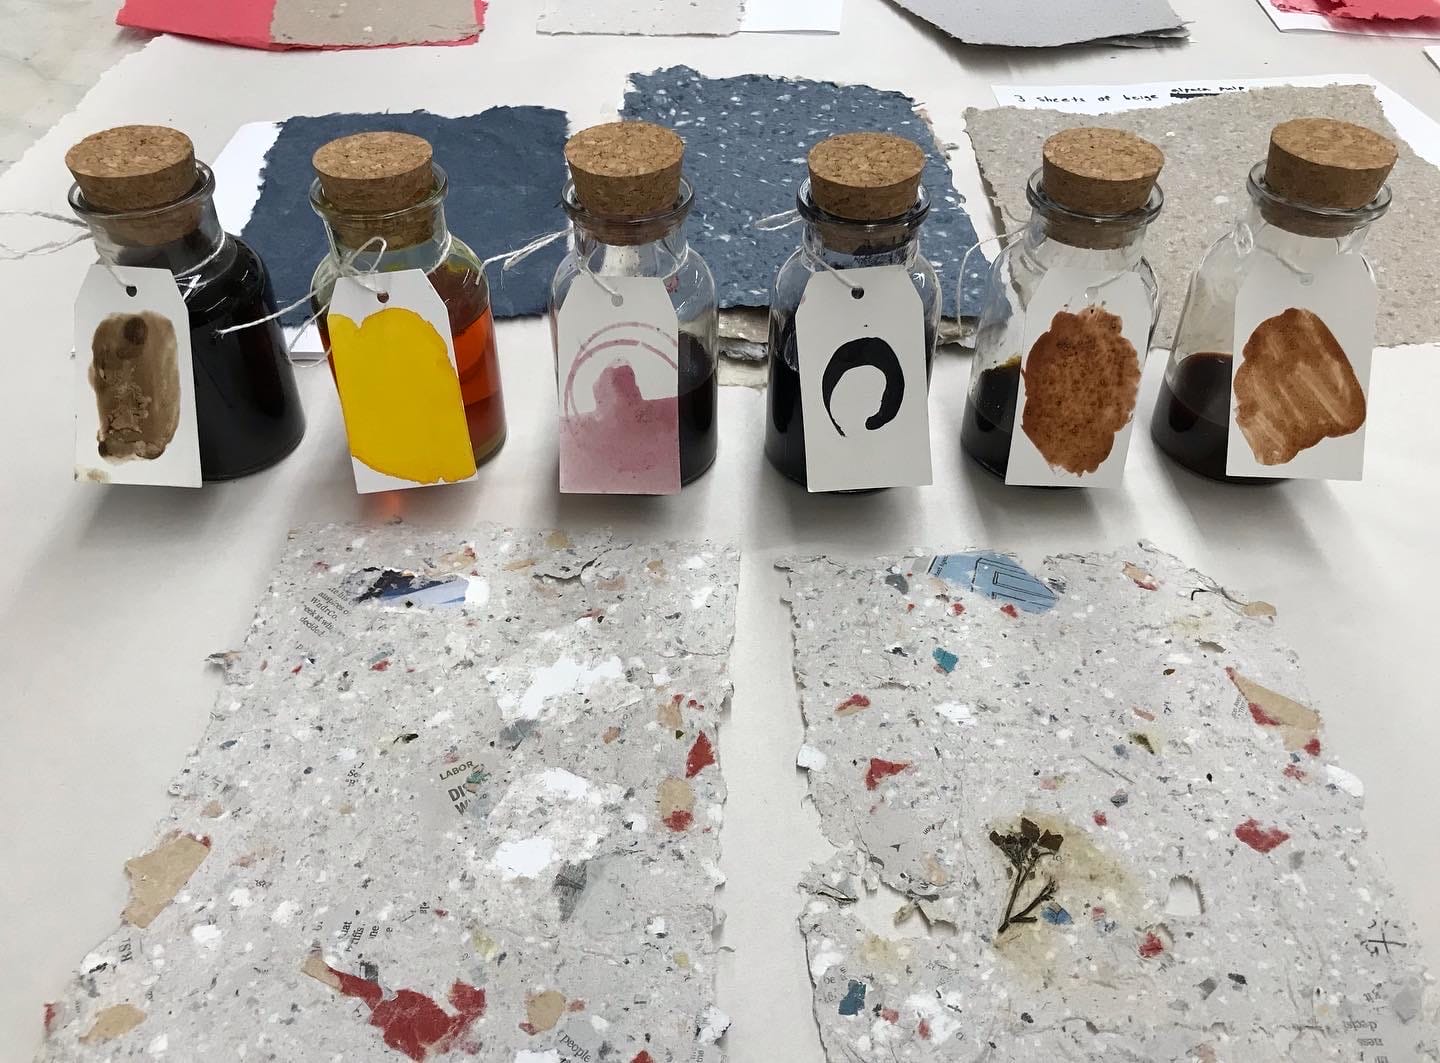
{"type": "Point", "coordinates": [1366, 9]}
{"type": "Point", "coordinates": [242, 22]}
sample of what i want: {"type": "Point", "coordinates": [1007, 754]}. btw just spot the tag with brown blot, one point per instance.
{"type": "Point", "coordinates": [1085, 338]}
{"type": "Point", "coordinates": [1301, 376]}
{"type": "Point", "coordinates": [134, 381]}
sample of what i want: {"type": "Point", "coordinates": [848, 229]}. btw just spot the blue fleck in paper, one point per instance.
{"type": "Point", "coordinates": [506, 167]}
{"type": "Point", "coordinates": [746, 142]}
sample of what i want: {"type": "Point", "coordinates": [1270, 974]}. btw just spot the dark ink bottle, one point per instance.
{"type": "Point", "coordinates": [150, 204]}
{"type": "Point", "coordinates": [849, 223]}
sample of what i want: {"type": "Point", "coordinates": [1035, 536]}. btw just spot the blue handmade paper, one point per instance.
{"type": "Point", "coordinates": [746, 142]}
{"type": "Point", "coordinates": [506, 169]}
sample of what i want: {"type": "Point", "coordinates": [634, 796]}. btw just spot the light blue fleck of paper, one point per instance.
{"type": "Point", "coordinates": [746, 141]}
{"type": "Point", "coordinates": [995, 576]}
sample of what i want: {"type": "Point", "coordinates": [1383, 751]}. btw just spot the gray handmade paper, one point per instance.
{"type": "Point", "coordinates": [651, 18]}
{"type": "Point", "coordinates": [1210, 145]}
{"type": "Point", "coordinates": [459, 794]}
{"type": "Point", "coordinates": [746, 141]}
{"type": "Point", "coordinates": [505, 166]}
{"type": "Point", "coordinates": [1044, 23]}
{"type": "Point", "coordinates": [339, 23]}
{"type": "Point", "coordinates": [1100, 784]}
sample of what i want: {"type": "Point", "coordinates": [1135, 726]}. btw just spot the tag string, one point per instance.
{"type": "Point", "coordinates": [773, 223]}
{"type": "Point", "coordinates": [50, 247]}
{"type": "Point", "coordinates": [347, 269]}
{"type": "Point", "coordinates": [511, 259]}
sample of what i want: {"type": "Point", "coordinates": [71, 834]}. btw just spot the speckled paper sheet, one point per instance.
{"type": "Point", "coordinates": [332, 23]}
{"type": "Point", "coordinates": [506, 167]}
{"type": "Point", "coordinates": [651, 18]}
{"type": "Point", "coordinates": [1112, 758]}
{"type": "Point", "coordinates": [1205, 188]}
{"type": "Point", "coordinates": [459, 794]}
{"type": "Point", "coordinates": [1042, 23]}
{"type": "Point", "coordinates": [746, 140]}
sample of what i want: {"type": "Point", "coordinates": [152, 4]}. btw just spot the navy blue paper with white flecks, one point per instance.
{"type": "Point", "coordinates": [746, 143]}
{"type": "Point", "coordinates": [506, 168]}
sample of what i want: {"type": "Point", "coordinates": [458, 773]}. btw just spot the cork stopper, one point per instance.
{"type": "Point", "coordinates": [626, 169]}
{"type": "Point", "coordinates": [865, 177]}
{"type": "Point", "coordinates": [379, 173]}
{"type": "Point", "coordinates": [1100, 171]}
{"type": "Point", "coordinates": [1324, 162]}
{"type": "Point", "coordinates": [133, 167]}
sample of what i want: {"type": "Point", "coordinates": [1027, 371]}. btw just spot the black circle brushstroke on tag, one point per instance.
{"type": "Point", "coordinates": [871, 351]}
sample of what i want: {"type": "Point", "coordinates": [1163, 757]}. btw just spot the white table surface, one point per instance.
{"type": "Point", "coordinates": [110, 598]}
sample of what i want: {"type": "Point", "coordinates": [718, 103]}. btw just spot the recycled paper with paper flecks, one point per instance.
{"type": "Point", "coordinates": [457, 797]}
{"type": "Point", "coordinates": [1126, 777]}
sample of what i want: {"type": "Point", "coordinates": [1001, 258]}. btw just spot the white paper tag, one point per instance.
{"type": "Point", "coordinates": [864, 392]}
{"type": "Point", "coordinates": [1300, 378]}
{"type": "Point", "coordinates": [1086, 335]}
{"type": "Point", "coordinates": [394, 360]}
{"type": "Point", "coordinates": [619, 384]}
{"type": "Point", "coordinates": [135, 420]}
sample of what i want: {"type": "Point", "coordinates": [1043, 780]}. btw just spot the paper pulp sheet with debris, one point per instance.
{"type": "Point", "coordinates": [459, 795]}
{"type": "Point", "coordinates": [746, 141]}
{"type": "Point", "coordinates": [1205, 188]}
{"type": "Point", "coordinates": [1101, 787]}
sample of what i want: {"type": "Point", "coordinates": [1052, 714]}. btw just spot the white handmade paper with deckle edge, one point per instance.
{"type": "Point", "coordinates": [1099, 787]}
{"type": "Point", "coordinates": [458, 796]}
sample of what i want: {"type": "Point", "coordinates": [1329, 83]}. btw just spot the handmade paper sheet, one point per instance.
{"type": "Point", "coordinates": [1084, 812]}
{"type": "Point", "coordinates": [459, 794]}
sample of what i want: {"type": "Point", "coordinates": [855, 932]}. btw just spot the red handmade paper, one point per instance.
{"type": "Point", "coordinates": [243, 22]}
{"type": "Point", "coordinates": [1396, 10]}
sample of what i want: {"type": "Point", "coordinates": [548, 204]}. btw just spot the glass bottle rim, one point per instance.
{"type": "Point", "coordinates": [1040, 200]}
{"type": "Point", "coordinates": [666, 219]}
{"type": "Point", "coordinates": [327, 210]}
{"type": "Point", "coordinates": [203, 190]}
{"type": "Point", "coordinates": [814, 214]}
{"type": "Point", "coordinates": [1263, 195]}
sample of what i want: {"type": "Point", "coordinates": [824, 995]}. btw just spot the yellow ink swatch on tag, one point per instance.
{"type": "Point", "coordinates": [401, 397]}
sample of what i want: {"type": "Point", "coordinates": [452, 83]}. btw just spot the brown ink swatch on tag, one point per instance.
{"type": "Point", "coordinates": [135, 371]}
{"type": "Point", "coordinates": [1295, 387]}
{"type": "Point", "coordinates": [1081, 381]}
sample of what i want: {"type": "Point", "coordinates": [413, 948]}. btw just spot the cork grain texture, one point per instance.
{"type": "Point", "coordinates": [778, 121]}
{"type": "Point", "coordinates": [1205, 188]}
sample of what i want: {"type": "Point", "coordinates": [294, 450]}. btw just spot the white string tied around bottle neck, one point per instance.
{"type": "Point", "coordinates": [773, 223]}
{"type": "Point", "coordinates": [347, 269]}
{"type": "Point", "coordinates": [51, 247]}
{"type": "Point", "coordinates": [510, 259]}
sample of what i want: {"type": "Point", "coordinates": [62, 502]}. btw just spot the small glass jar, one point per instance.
{"type": "Point", "coordinates": [655, 246]}
{"type": "Point", "coordinates": [411, 224]}
{"type": "Point", "coordinates": [1056, 237]}
{"type": "Point", "coordinates": [1191, 422]}
{"type": "Point", "coordinates": [247, 408]}
{"type": "Point", "coordinates": [840, 243]}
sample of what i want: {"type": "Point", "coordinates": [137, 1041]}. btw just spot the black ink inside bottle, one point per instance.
{"type": "Point", "coordinates": [697, 399]}
{"type": "Point", "coordinates": [989, 423]}
{"type": "Point", "coordinates": [1191, 421]}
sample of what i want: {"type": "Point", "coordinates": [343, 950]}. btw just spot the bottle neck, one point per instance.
{"type": "Point", "coordinates": [1301, 250]}
{"type": "Point", "coordinates": [184, 237]}
{"type": "Point", "coordinates": [1051, 243]}
{"type": "Point", "coordinates": [659, 257]}
{"type": "Point", "coordinates": [413, 239]}
{"type": "Point", "coordinates": [839, 249]}
{"type": "Point", "coordinates": [1278, 223]}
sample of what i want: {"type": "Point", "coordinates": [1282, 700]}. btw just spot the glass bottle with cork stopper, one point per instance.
{"type": "Point", "coordinates": [149, 203]}
{"type": "Point", "coordinates": [1312, 203]}
{"type": "Point", "coordinates": [862, 207]}
{"type": "Point", "coordinates": [627, 200]}
{"type": "Point", "coordinates": [381, 196]}
{"type": "Point", "coordinates": [1092, 199]}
